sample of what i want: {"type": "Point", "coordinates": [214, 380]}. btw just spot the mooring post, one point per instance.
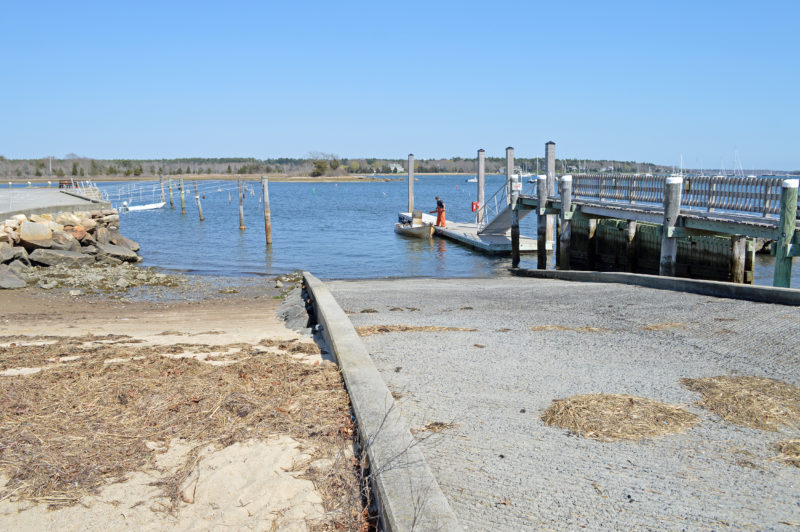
{"type": "Point", "coordinates": [481, 184]}
{"type": "Point", "coordinates": [267, 220]}
{"type": "Point", "coordinates": [161, 183]}
{"type": "Point", "coordinates": [749, 260]}
{"type": "Point", "coordinates": [672, 209]}
{"type": "Point", "coordinates": [737, 262]}
{"type": "Point", "coordinates": [171, 204]}
{"type": "Point", "coordinates": [630, 246]}
{"type": "Point", "coordinates": [591, 244]}
{"type": "Point", "coordinates": [541, 228]}
{"type": "Point", "coordinates": [411, 184]}
{"type": "Point", "coordinates": [550, 156]}
{"type": "Point", "coordinates": [241, 204]}
{"type": "Point", "coordinates": [183, 199]}
{"type": "Point", "coordinates": [197, 199]}
{"type": "Point", "coordinates": [509, 172]}
{"type": "Point", "coordinates": [786, 228]}
{"type": "Point", "coordinates": [565, 217]}
{"type": "Point", "coordinates": [514, 228]}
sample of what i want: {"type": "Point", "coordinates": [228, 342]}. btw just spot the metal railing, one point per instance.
{"type": "Point", "coordinates": [750, 195]}
{"type": "Point", "coordinates": [492, 207]}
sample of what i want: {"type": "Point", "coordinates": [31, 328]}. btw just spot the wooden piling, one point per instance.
{"type": "Point", "coordinates": [161, 184]}
{"type": "Point", "coordinates": [565, 219]}
{"type": "Point", "coordinates": [786, 229]}
{"type": "Point", "coordinates": [541, 228]}
{"type": "Point", "coordinates": [591, 244]}
{"type": "Point", "coordinates": [749, 261]}
{"type": "Point", "coordinates": [410, 183]}
{"type": "Point", "coordinates": [631, 252]}
{"type": "Point", "coordinates": [738, 248]}
{"type": "Point", "coordinates": [509, 172]}
{"type": "Point", "coordinates": [183, 199]}
{"type": "Point", "coordinates": [550, 157]}
{"type": "Point", "coordinates": [481, 184]}
{"type": "Point", "coordinates": [241, 205]}
{"type": "Point", "coordinates": [267, 215]}
{"type": "Point", "coordinates": [197, 199]}
{"type": "Point", "coordinates": [672, 209]}
{"type": "Point", "coordinates": [171, 203]}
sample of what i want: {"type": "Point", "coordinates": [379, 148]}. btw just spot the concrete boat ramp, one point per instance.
{"type": "Point", "coordinates": [467, 235]}
{"type": "Point", "coordinates": [38, 200]}
{"type": "Point", "coordinates": [472, 388]}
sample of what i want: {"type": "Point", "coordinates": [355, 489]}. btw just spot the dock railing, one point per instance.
{"type": "Point", "coordinates": [491, 207]}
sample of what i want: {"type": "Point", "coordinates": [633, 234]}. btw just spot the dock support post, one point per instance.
{"type": "Point", "coordinates": [541, 227]}
{"type": "Point", "coordinates": [738, 250]}
{"type": "Point", "coordinates": [161, 183]}
{"type": "Point", "coordinates": [241, 204]}
{"type": "Point", "coordinates": [749, 261]}
{"type": "Point", "coordinates": [197, 199]}
{"type": "Point", "coordinates": [509, 172]}
{"type": "Point", "coordinates": [630, 247]}
{"type": "Point", "coordinates": [591, 244]}
{"type": "Point", "coordinates": [786, 228]}
{"type": "Point", "coordinates": [669, 243]}
{"type": "Point", "coordinates": [267, 215]}
{"type": "Point", "coordinates": [565, 219]}
{"type": "Point", "coordinates": [183, 199]}
{"type": "Point", "coordinates": [514, 229]}
{"type": "Point", "coordinates": [411, 184]}
{"type": "Point", "coordinates": [550, 157]}
{"type": "Point", "coordinates": [481, 184]}
{"type": "Point", "coordinates": [171, 203]}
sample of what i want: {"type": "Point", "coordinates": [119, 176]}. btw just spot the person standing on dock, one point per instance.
{"type": "Point", "coordinates": [440, 221]}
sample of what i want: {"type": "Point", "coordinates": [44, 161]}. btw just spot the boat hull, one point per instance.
{"type": "Point", "coordinates": [415, 231]}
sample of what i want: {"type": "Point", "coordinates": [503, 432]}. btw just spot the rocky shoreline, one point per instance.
{"type": "Point", "coordinates": [67, 243]}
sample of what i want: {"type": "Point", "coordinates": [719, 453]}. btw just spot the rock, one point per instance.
{"type": "Point", "coordinates": [108, 212]}
{"type": "Point", "coordinates": [88, 224]}
{"type": "Point", "coordinates": [89, 250]}
{"type": "Point", "coordinates": [33, 235]}
{"type": "Point", "coordinates": [107, 260]}
{"type": "Point", "coordinates": [75, 292]}
{"type": "Point", "coordinates": [57, 257]}
{"type": "Point", "coordinates": [117, 252]}
{"type": "Point", "coordinates": [101, 235]}
{"type": "Point", "coordinates": [95, 214]}
{"type": "Point", "coordinates": [141, 277]}
{"type": "Point", "coordinates": [19, 218]}
{"type": "Point", "coordinates": [14, 235]}
{"type": "Point", "coordinates": [9, 279]}
{"type": "Point", "coordinates": [67, 218]}
{"type": "Point", "coordinates": [55, 226]}
{"type": "Point", "coordinates": [65, 241]}
{"type": "Point", "coordinates": [5, 238]}
{"type": "Point", "coordinates": [122, 283]}
{"type": "Point", "coordinates": [278, 284]}
{"type": "Point", "coordinates": [120, 240]}
{"type": "Point", "coordinates": [47, 285]}
{"type": "Point", "coordinates": [110, 219]}
{"type": "Point", "coordinates": [21, 255]}
{"type": "Point", "coordinates": [43, 218]}
{"type": "Point", "coordinates": [11, 224]}
{"type": "Point", "coordinates": [88, 240]}
{"type": "Point", "coordinates": [161, 276]}
{"type": "Point", "coordinates": [6, 252]}
{"type": "Point", "coordinates": [19, 267]}
{"type": "Point", "coordinates": [77, 232]}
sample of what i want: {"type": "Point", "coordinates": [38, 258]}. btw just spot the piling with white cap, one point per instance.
{"type": "Point", "coordinates": [786, 229]}
{"type": "Point", "coordinates": [672, 208]}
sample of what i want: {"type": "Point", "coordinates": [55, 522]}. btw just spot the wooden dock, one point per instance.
{"type": "Point", "coordinates": [467, 234]}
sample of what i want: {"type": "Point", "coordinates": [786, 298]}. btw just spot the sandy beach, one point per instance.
{"type": "Point", "coordinates": [192, 412]}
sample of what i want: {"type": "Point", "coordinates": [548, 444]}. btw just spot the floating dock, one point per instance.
{"type": "Point", "coordinates": [467, 234]}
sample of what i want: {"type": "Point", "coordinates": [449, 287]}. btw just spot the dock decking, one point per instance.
{"type": "Point", "coordinates": [467, 234]}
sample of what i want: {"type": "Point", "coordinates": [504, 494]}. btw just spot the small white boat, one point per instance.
{"type": "Point", "coordinates": [472, 180]}
{"type": "Point", "coordinates": [146, 207]}
{"type": "Point", "coordinates": [416, 231]}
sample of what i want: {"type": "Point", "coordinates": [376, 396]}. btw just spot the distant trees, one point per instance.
{"type": "Point", "coordinates": [320, 168]}
{"type": "Point", "coordinates": [75, 169]}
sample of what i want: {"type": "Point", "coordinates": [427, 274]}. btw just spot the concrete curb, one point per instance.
{"type": "Point", "coordinates": [760, 294]}
{"type": "Point", "coordinates": [407, 493]}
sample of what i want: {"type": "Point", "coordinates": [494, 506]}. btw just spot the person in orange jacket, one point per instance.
{"type": "Point", "coordinates": [440, 221]}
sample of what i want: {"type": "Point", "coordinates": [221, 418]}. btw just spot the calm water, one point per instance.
{"type": "Point", "coordinates": [335, 230]}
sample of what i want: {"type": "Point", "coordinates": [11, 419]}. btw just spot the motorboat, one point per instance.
{"type": "Point", "coordinates": [413, 230]}
{"type": "Point", "coordinates": [471, 180]}
{"type": "Point", "coordinates": [146, 207]}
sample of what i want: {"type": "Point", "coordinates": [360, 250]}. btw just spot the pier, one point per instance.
{"type": "Point", "coordinates": [39, 200]}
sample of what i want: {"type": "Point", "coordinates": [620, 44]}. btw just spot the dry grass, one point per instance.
{"type": "Point", "coordinates": [69, 430]}
{"type": "Point", "coordinates": [538, 328]}
{"type": "Point", "coordinates": [789, 452]}
{"type": "Point", "coordinates": [610, 417]}
{"type": "Point", "coordinates": [755, 402]}
{"type": "Point", "coordinates": [384, 329]}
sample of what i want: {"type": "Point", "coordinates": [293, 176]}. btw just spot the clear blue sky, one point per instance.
{"type": "Point", "coordinates": [645, 81]}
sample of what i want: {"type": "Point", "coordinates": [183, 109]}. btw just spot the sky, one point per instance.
{"type": "Point", "coordinates": [642, 81]}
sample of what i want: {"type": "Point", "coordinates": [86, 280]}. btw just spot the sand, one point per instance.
{"type": "Point", "coordinates": [256, 484]}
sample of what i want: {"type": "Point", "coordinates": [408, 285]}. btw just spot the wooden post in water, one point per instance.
{"type": "Point", "coordinates": [411, 184]}
{"type": "Point", "coordinates": [197, 199]}
{"type": "Point", "coordinates": [161, 183]}
{"type": "Point", "coordinates": [591, 244]}
{"type": "Point", "coordinates": [509, 172]}
{"type": "Point", "coordinates": [481, 184]}
{"type": "Point", "coordinates": [550, 156]}
{"type": "Point", "coordinates": [672, 209]}
{"type": "Point", "coordinates": [171, 204]}
{"type": "Point", "coordinates": [749, 261]}
{"type": "Point", "coordinates": [565, 218]}
{"type": "Point", "coordinates": [630, 247]}
{"type": "Point", "coordinates": [738, 249]}
{"type": "Point", "coordinates": [267, 215]}
{"type": "Point", "coordinates": [183, 199]}
{"type": "Point", "coordinates": [541, 228]}
{"type": "Point", "coordinates": [241, 204]}
{"type": "Point", "coordinates": [786, 228]}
